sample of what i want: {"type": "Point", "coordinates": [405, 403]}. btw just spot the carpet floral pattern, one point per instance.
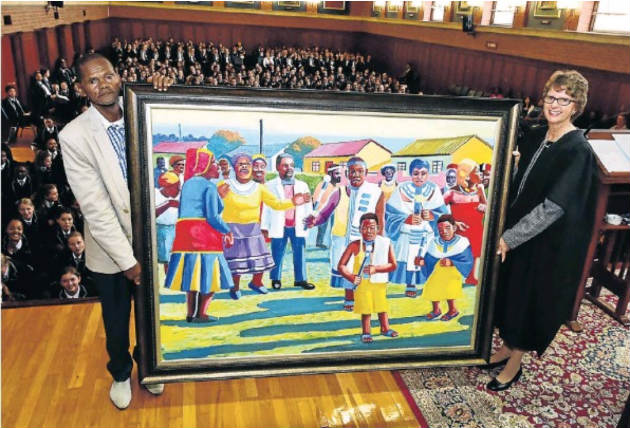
{"type": "Point", "coordinates": [582, 380]}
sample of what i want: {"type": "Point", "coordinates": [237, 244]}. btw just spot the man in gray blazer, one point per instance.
{"type": "Point", "coordinates": [93, 146]}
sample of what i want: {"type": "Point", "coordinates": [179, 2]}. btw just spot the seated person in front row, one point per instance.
{"type": "Point", "coordinates": [30, 222]}
{"type": "Point", "coordinates": [16, 246]}
{"type": "Point", "coordinates": [74, 255]}
{"type": "Point", "coordinates": [70, 282]}
{"type": "Point", "coordinates": [57, 239]}
{"type": "Point", "coordinates": [373, 259]}
{"type": "Point", "coordinates": [448, 262]}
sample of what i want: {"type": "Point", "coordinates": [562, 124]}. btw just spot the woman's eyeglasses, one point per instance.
{"type": "Point", "coordinates": [548, 99]}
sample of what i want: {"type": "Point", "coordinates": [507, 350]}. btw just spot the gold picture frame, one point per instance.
{"type": "Point", "coordinates": [291, 330]}
{"type": "Point", "coordinates": [546, 9]}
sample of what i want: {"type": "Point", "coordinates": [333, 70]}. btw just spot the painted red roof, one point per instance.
{"type": "Point", "coordinates": [177, 146]}
{"type": "Point", "coordinates": [344, 148]}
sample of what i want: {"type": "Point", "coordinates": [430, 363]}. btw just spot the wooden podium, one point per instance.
{"type": "Point", "coordinates": [608, 257]}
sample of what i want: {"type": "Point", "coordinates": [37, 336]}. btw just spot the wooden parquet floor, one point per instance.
{"type": "Point", "coordinates": [53, 375]}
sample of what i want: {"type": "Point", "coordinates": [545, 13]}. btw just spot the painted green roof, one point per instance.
{"type": "Point", "coordinates": [435, 146]}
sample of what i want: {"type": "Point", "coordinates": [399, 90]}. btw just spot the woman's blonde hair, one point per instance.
{"type": "Point", "coordinates": [573, 83]}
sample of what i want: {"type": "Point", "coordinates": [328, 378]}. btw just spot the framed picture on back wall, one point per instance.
{"type": "Point", "coordinates": [301, 192]}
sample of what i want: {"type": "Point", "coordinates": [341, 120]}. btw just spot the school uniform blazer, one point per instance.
{"type": "Point", "coordinates": [93, 173]}
{"type": "Point", "coordinates": [273, 220]}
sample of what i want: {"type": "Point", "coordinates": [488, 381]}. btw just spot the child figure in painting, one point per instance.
{"type": "Point", "coordinates": [448, 261]}
{"type": "Point", "coordinates": [372, 258]}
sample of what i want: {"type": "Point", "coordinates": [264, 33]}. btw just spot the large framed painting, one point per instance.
{"type": "Point", "coordinates": [287, 232]}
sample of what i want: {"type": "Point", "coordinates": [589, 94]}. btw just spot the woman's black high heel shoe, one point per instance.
{"type": "Point", "coordinates": [495, 385]}
{"type": "Point", "coordinates": [495, 364]}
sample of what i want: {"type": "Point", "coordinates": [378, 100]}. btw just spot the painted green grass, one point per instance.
{"type": "Point", "coordinates": [293, 321]}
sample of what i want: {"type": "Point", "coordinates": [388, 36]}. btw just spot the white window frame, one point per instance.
{"type": "Point", "coordinates": [503, 8]}
{"type": "Point", "coordinates": [612, 17]}
{"type": "Point", "coordinates": [437, 166]}
{"type": "Point", "coordinates": [437, 11]}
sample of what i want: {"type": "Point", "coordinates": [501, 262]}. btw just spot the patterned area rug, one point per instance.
{"type": "Point", "coordinates": [582, 380]}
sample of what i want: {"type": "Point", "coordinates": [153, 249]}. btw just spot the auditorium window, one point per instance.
{"type": "Point", "coordinates": [436, 166]}
{"type": "Point", "coordinates": [503, 13]}
{"type": "Point", "coordinates": [437, 11]}
{"type": "Point", "coordinates": [611, 16]}
{"type": "Point", "coordinates": [401, 166]}
{"type": "Point", "coordinates": [315, 166]}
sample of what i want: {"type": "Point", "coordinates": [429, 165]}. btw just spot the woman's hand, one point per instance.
{"type": "Point", "coordinates": [426, 215]}
{"type": "Point", "coordinates": [461, 226]}
{"type": "Point", "coordinates": [369, 270]}
{"type": "Point", "coordinates": [228, 239]}
{"type": "Point", "coordinates": [301, 199]}
{"type": "Point", "coordinates": [517, 156]}
{"type": "Point", "coordinates": [502, 249]}
{"type": "Point", "coordinates": [223, 190]}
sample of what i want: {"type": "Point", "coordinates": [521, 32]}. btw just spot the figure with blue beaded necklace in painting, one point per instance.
{"type": "Point", "coordinates": [411, 223]}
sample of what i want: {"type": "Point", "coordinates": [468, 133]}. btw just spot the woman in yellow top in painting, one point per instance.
{"type": "Point", "coordinates": [242, 198]}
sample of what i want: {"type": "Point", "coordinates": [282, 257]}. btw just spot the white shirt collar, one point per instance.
{"type": "Point", "coordinates": [106, 123]}
{"type": "Point", "coordinates": [73, 296]}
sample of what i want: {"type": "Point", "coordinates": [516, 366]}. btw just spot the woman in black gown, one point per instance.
{"type": "Point", "coordinates": [548, 227]}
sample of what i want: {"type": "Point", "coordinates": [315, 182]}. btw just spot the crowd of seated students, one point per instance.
{"type": "Point", "coordinates": [42, 234]}
{"type": "Point", "coordinates": [279, 67]}
{"type": "Point", "coordinates": [41, 222]}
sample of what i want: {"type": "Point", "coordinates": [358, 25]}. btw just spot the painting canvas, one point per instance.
{"type": "Point", "coordinates": [213, 222]}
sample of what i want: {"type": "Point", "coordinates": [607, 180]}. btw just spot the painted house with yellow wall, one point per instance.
{"type": "Point", "coordinates": [439, 152]}
{"type": "Point", "coordinates": [375, 155]}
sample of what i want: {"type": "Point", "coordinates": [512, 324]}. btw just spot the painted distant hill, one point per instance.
{"type": "Point", "coordinates": [224, 141]}
{"type": "Point", "coordinates": [221, 142]}
{"type": "Point", "coordinates": [301, 147]}
{"type": "Point", "coordinates": [269, 150]}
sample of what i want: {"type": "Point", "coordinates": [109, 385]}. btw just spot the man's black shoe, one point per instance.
{"type": "Point", "coordinates": [276, 284]}
{"type": "Point", "coordinates": [305, 285]}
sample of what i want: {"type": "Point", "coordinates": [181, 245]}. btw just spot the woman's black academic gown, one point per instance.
{"type": "Point", "coordinates": [539, 279]}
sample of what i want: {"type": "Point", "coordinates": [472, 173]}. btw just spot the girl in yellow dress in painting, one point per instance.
{"type": "Point", "coordinates": [373, 258]}
{"type": "Point", "coordinates": [448, 262]}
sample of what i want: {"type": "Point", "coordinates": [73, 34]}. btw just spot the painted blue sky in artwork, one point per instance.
{"type": "Point", "coordinates": [252, 136]}
{"type": "Point", "coordinates": [284, 127]}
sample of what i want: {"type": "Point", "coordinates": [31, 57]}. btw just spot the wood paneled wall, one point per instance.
{"type": "Point", "coordinates": [518, 61]}
{"type": "Point", "coordinates": [25, 52]}
{"type": "Point", "coordinates": [441, 66]}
